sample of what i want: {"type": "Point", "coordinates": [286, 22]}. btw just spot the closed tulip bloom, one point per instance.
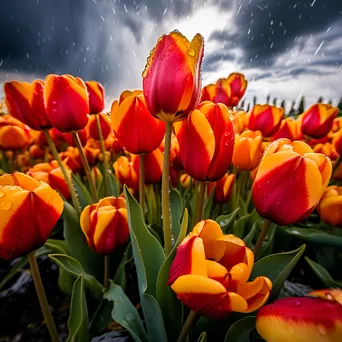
{"type": "Point", "coordinates": [300, 319]}
{"type": "Point", "coordinates": [29, 211]}
{"type": "Point", "coordinates": [96, 93]}
{"type": "Point", "coordinates": [172, 76]}
{"type": "Point", "coordinates": [61, 137]}
{"type": "Point", "coordinates": [290, 181]}
{"type": "Point", "coordinates": [36, 151]}
{"type": "Point", "coordinates": [238, 85]}
{"type": "Point", "coordinates": [13, 138]}
{"type": "Point", "coordinates": [97, 176]}
{"type": "Point", "coordinates": [125, 173]}
{"type": "Point", "coordinates": [136, 129]}
{"type": "Point", "coordinates": [247, 150]}
{"type": "Point", "coordinates": [128, 93]}
{"type": "Point", "coordinates": [239, 121]}
{"type": "Point", "coordinates": [66, 101]}
{"type": "Point", "coordinates": [105, 225]}
{"type": "Point", "coordinates": [318, 120]}
{"type": "Point", "coordinates": [25, 101]}
{"type": "Point", "coordinates": [206, 141]}
{"type": "Point", "coordinates": [50, 173]}
{"type": "Point", "coordinates": [223, 188]}
{"type": "Point", "coordinates": [185, 180]}
{"type": "Point", "coordinates": [327, 149]}
{"type": "Point", "coordinates": [266, 119]}
{"type": "Point", "coordinates": [153, 162]}
{"type": "Point", "coordinates": [288, 129]}
{"type": "Point", "coordinates": [223, 92]}
{"type": "Point", "coordinates": [210, 271]}
{"type": "Point", "coordinates": [330, 206]}
{"type": "Point", "coordinates": [208, 92]}
{"type": "Point", "coordinates": [337, 142]}
{"type": "Point", "coordinates": [106, 127]}
{"type": "Point", "coordinates": [112, 144]}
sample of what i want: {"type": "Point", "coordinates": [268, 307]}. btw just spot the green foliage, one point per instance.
{"type": "Point", "coordinates": [240, 330]}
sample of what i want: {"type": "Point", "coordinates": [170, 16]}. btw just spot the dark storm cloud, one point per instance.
{"type": "Point", "coordinates": [213, 61]}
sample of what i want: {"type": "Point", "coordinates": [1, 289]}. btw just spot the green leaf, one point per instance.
{"type": "Point", "coordinates": [323, 274]}
{"type": "Point", "coordinates": [277, 267]}
{"type": "Point", "coordinates": [114, 186]}
{"type": "Point", "coordinates": [267, 245]}
{"type": "Point", "coordinates": [240, 330]}
{"type": "Point", "coordinates": [125, 313]}
{"type": "Point", "coordinates": [250, 236]}
{"type": "Point", "coordinates": [203, 337]}
{"type": "Point", "coordinates": [101, 318]}
{"type": "Point", "coordinates": [240, 225]}
{"type": "Point", "coordinates": [171, 307]}
{"type": "Point", "coordinates": [148, 257]}
{"type": "Point", "coordinates": [208, 204]}
{"type": "Point", "coordinates": [315, 236]}
{"type": "Point", "coordinates": [82, 192]}
{"type": "Point", "coordinates": [226, 221]}
{"type": "Point", "coordinates": [73, 267]}
{"type": "Point", "coordinates": [78, 318]}
{"type": "Point", "coordinates": [120, 274]}
{"type": "Point", "coordinates": [176, 205]}
{"type": "Point", "coordinates": [77, 243]}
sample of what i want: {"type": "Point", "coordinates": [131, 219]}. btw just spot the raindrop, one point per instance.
{"type": "Point", "coordinates": [322, 330]}
{"type": "Point", "coordinates": [5, 206]}
{"type": "Point", "coordinates": [191, 52]}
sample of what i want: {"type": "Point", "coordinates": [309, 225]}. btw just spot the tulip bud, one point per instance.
{"type": "Point", "coordinates": [124, 172]}
{"type": "Point", "coordinates": [96, 93]}
{"type": "Point", "coordinates": [247, 150]}
{"type": "Point", "coordinates": [171, 96]}
{"type": "Point", "coordinates": [29, 212]}
{"type": "Point", "coordinates": [206, 141]}
{"type": "Point", "coordinates": [36, 152]}
{"type": "Point", "coordinates": [318, 119]}
{"type": "Point", "coordinates": [326, 149]}
{"type": "Point", "coordinates": [288, 129]}
{"type": "Point", "coordinates": [136, 129]}
{"type": "Point", "coordinates": [266, 119]}
{"type": "Point", "coordinates": [185, 180]}
{"type": "Point", "coordinates": [239, 121]}
{"type": "Point", "coordinates": [337, 142]}
{"type": "Point", "coordinates": [290, 181]}
{"type": "Point", "coordinates": [105, 225]}
{"type": "Point", "coordinates": [127, 93]}
{"type": "Point", "coordinates": [66, 101]}
{"type": "Point", "coordinates": [105, 126]}
{"type": "Point", "coordinates": [208, 92]}
{"type": "Point", "coordinates": [238, 85]}
{"type": "Point", "coordinates": [97, 176]}
{"type": "Point", "coordinates": [330, 206]}
{"type": "Point", "coordinates": [13, 138]}
{"type": "Point", "coordinates": [223, 188]}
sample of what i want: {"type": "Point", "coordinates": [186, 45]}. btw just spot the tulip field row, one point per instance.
{"type": "Point", "coordinates": [174, 215]}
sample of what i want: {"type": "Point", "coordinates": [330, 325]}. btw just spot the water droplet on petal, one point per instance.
{"type": "Point", "coordinates": [2, 194]}
{"type": "Point", "coordinates": [171, 47]}
{"type": "Point", "coordinates": [5, 206]}
{"type": "Point", "coordinates": [191, 52]}
{"type": "Point", "coordinates": [322, 329]}
{"type": "Point", "coordinates": [211, 131]}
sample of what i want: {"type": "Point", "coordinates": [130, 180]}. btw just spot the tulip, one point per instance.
{"type": "Point", "coordinates": [36, 152]}
{"type": "Point", "coordinates": [290, 181]}
{"type": "Point", "coordinates": [124, 172]}
{"type": "Point", "coordinates": [318, 120]}
{"type": "Point", "coordinates": [239, 121]}
{"type": "Point", "coordinates": [50, 173]}
{"type": "Point", "coordinates": [105, 126]}
{"type": "Point", "coordinates": [327, 149]}
{"type": "Point", "coordinates": [223, 188]}
{"type": "Point", "coordinates": [96, 93]}
{"type": "Point", "coordinates": [329, 294]}
{"type": "Point", "coordinates": [136, 129]}
{"type": "Point", "coordinates": [29, 212]}
{"type": "Point", "coordinates": [185, 180]}
{"type": "Point", "coordinates": [337, 124]}
{"type": "Point", "coordinates": [128, 93]}
{"type": "Point", "coordinates": [13, 137]}
{"type": "Point", "coordinates": [247, 150]}
{"type": "Point", "coordinates": [210, 271]}
{"type": "Point", "coordinates": [59, 136]}
{"type": "Point", "coordinates": [66, 101]}
{"type": "Point", "coordinates": [266, 119]}
{"type": "Point", "coordinates": [105, 225]}
{"type": "Point", "coordinates": [337, 142]}
{"type": "Point", "coordinates": [300, 319]}
{"type": "Point", "coordinates": [288, 129]}
{"type": "Point", "coordinates": [97, 176]}
{"type": "Point", "coordinates": [208, 93]}
{"type": "Point", "coordinates": [206, 141]}
{"type": "Point", "coordinates": [153, 166]}
{"type": "Point", "coordinates": [172, 77]}
{"type": "Point", "coordinates": [25, 101]}
{"type": "Point", "coordinates": [112, 144]}
{"type": "Point", "coordinates": [330, 206]}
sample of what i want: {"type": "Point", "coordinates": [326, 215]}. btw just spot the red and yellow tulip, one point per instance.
{"type": "Point", "coordinates": [106, 127]}
{"type": "Point", "coordinates": [210, 272]}
{"type": "Point", "coordinates": [330, 206]}
{"type": "Point", "coordinates": [327, 149]}
{"type": "Point", "coordinates": [96, 93]}
{"type": "Point", "coordinates": [223, 188]}
{"type": "Point", "coordinates": [125, 173]}
{"type": "Point", "coordinates": [337, 142]}
{"type": "Point", "coordinates": [288, 129]}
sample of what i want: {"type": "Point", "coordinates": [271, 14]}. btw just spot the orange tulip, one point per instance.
{"type": "Point", "coordinates": [128, 93]}
{"type": "Point", "coordinates": [330, 294]}
{"type": "Point", "coordinates": [105, 224]}
{"type": "Point", "coordinates": [330, 206]}
{"type": "Point", "coordinates": [337, 142]}
{"type": "Point", "coordinates": [59, 137]}
{"type": "Point", "coordinates": [300, 319]}
{"type": "Point", "coordinates": [13, 138]}
{"type": "Point", "coordinates": [247, 150]}
{"type": "Point", "coordinates": [290, 181]}
{"type": "Point", "coordinates": [66, 101]}
{"type": "Point", "coordinates": [266, 119]}
{"type": "Point", "coordinates": [50, 173]}
{"type": "Point", "coordinates": [327, 149]}
{"type": "Point", "coordinates": [223, 188]}
{"type": "Point", "coordinates": [288, 129]}
{"type": "Point", "coordinates": [25, 101]}
{"type": "Point", "coordinates": [208, 92]}
{"type": "Point", "coordinates": [112, 144]}
{"type": "Point", "coordinates": [172, 76]}
{"type": "Point", "coordinates": [337, 124]}
{"type": "Point", "coordinates": [185, 180]}
{"type": "Point", "coordinates": [206, 141]}
{"type": "Point", "coordinates": [106, 127]}
{"type": "Point", "coordinates": [210, 271]}
{"type": "Point", "coordinates": [96, 93]}
{"type": "Point", "coordinates": [36, 151]}
{"type": "Point", "coordinates": [318, 120]}
{"type": "Point", "coordinates": [239, 121]}
{"type": "Point", "coordinates": [29, 212]}
{"type": "Point", "coordinates": [124, 172]}
{"type": "Point", "coordinates": [136, 129]}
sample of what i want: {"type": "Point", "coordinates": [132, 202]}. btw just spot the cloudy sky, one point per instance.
{"type": "Point", "coordinates": [286, 48]}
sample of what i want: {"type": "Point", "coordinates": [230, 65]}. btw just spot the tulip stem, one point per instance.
{"type": "Point", "coordinates": [165, 190]}
{"type": "Point", "coordinates": [86, 167]}
{"type": "Point", "coordinates": [200, 202]}
{"type": "Point", "coordinates": [187, 326]}
{"type": "Point", "coordinates": [50, 323]}
{"type": "Point", "coordinates": [142, 183]}
{"type": "Point", "coordinates": [103, 152]}
{"type": "Point", "coordinates": [261, 237]}
{"type": "Point", "coordinates": [106, 271]}
{"type": "Point", "coordinates": [68, 181]}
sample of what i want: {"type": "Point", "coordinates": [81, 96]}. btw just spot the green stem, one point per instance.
{"type": "Point", "coordinates": [55, 154]}
{"type": "Point", "coordinates": [165, 190]}
{"type": "Point", "coordinates": [46, 154]}
{"type": "Point", "coordinates": [105, 161]}
{"type": "Point", "coordinates": [106, 271]}
{"type": "Point", "coordinates": [187, 326]}
{"type": "Point", "coordinates": [142, 183]}
{"type": "Point", "coordinates": [337, 164]}
{"type": "Point", "coordinates": [261, 237]}
{"type": "Point", "coordinates": [200, 202]}
{"type": "Point", "coordinates": [86, 167]}
{"type": "Point", "coordinates": [42, 297]}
